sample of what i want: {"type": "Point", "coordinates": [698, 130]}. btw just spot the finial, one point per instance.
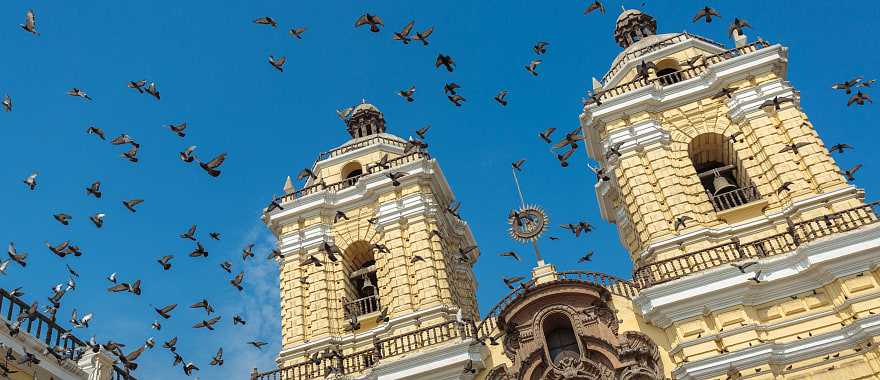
{"type": "Point", "coordinates": [622, 8]}
{"type": "Point", "coordinates": [288, 185]}
{"type": "Point", "coordinates": [363, 101]}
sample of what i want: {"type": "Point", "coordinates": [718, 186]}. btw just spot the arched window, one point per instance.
{"type": "Point", "coordinates": [560, 338]}
{"type": "Point", "coordinates": [363, 285]}
{"type": "Point", "coordinates": [721, 172]}
{"type": "Point", "coordinates": [668, 72]}
{"type": "Point", "coordinates": [350, 173]}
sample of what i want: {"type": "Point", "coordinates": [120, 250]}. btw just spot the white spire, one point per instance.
{"type": "Point", "coordinates": [288, 186]}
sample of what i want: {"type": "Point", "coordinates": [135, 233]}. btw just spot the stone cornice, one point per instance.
{"type": "Point", "coordinates": [446, 362]}
{"type": "Point", "coordinates": [808, 267]}
{"type": "Point", "coordinates": [367, 190]}
{"type": "Point", "coordinates": [742, 103]}
{"type": "Point", "coordinates": [23, 341]}
{"type": "Point", "coordinates": [782, 354]}
{"type": "Point", "coordinates": [638, 136]}
{"type": "Point", "coordinates": [843, 307]}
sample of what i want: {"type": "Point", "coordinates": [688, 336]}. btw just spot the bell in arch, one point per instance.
{"type": "Point", "coordinates": [368, 286]}
{"type": "Point", "coordinates": [722, 184]}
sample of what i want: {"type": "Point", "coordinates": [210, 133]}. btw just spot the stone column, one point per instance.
{"type": "Point", "coordinates": [98, 366]}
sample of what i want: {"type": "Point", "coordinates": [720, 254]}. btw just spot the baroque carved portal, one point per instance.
{"type": "Point", "coordinates": [566, 330]}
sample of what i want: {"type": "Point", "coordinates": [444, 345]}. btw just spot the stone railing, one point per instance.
{"type": "Point", "coordinates": [734, 198]}
{"type": "Point", "coordinates": [349, 182]}
{"type": "Point", "coordinates": [681, 37]}
{"type": "Point", "coordinates": [616, 286]}
{"type": "Point", "coordinates": [681, 75]}
{"type": "Point", "coordinates": [360, 144]}
{"type": "Point", "coordinates": [49, 332]}
{"type": "Point", "coordinates": [363, 360]}
{"type": "Point", "coordinates": [797, 234]}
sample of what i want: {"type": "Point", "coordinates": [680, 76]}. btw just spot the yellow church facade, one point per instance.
{"type": "Point", "coordinates": [754, 258]}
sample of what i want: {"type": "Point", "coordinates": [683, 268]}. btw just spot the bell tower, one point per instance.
{"type": "Point", "coordinates": [697, 141]}
{"type": "Point", "coordinates": [372, 249]}
{"type": "Point", "coordinates": [750, 247]}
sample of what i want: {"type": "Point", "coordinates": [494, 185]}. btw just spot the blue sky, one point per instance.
{"type": "Point", "coordinates": [210, 63]}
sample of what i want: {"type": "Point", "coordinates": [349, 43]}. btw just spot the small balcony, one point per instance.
{"type": "Point", "coordinates": [362, 306]}
{"type": "Point", "coordinates": [734, 198]}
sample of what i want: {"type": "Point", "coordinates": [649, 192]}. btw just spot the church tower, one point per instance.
{"type": "Point", "coordinates": [376, 261]}
{"type": "Point", "coordinates": [751, 250]}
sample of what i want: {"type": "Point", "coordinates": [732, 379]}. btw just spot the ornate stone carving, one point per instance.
{"type": "Point", "coordinates": [498, 373]}
{"type": "Point", "coordinates": [601, 351]}
{"type": "Point", "coordinates": [640, 356]}
{"type": "Point", "coordinates": [570, 368]}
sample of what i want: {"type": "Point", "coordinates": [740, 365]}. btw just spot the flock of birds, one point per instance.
{"type": "Point", "coordinates": [563, 149]}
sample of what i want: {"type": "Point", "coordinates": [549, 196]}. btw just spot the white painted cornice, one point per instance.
{"type": "Point", "coordinates": [367, 190]}
{"type": "Point", "coordinates": [656, 98]}
{"type": "Point", "coordinates": [782, 354]}
{"type": "Point", "coordinates": [639, 136]}
{"type": "Point", "coordinates": [65, 370]}
{"type": "Point", "coordinates": [843, 307]}
{"type": "Point", "coordinates": [809, 267]}
{"type": "Point", "coordinates": [444, 362]}
{"type": "Point", "coordinates": [742, 103]}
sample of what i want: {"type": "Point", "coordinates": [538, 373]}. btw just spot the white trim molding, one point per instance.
{"type": "Point", "coordinates": [367, 190]}
{"type": "Point", "coordinates": [782, 354]}
{"type": "Point", "coordinates": [809, 267]}
{"type": "Point", "coordinates": [49, 366]}
{"type": "Point", "coordinates": [446, 362]}
{"type": "Point", "coordinates": [640, 136]}
{"type": "Point", "coordinates": [743, 102]}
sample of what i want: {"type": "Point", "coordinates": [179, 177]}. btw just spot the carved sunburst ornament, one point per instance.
{"type": "Point", "coordinates": [528, 223]}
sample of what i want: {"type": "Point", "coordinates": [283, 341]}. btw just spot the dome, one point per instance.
{"type": "Point", "coordinates": [365, 120]}
{"type": "Point", "coordinates": [627, 13]}
{"type": "Point", "coordinates": [633, 25]}
{"type": "Point", "coordinates": [365, 106]}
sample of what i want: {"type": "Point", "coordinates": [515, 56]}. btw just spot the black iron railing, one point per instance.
{"type": "Point", "coordinates": [362, 360]}
{"type": "Point", "coordinates": [349, 182]}
{"type": "Point", "coordinates": [681, 37]}
{"type": "Point", "coordinates": [48, 331]}
{"type": "Point", "coordinates": [797, 234]}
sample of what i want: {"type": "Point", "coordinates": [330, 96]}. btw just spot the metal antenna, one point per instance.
{"type": "Point", "coordinates": [522, 201]}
